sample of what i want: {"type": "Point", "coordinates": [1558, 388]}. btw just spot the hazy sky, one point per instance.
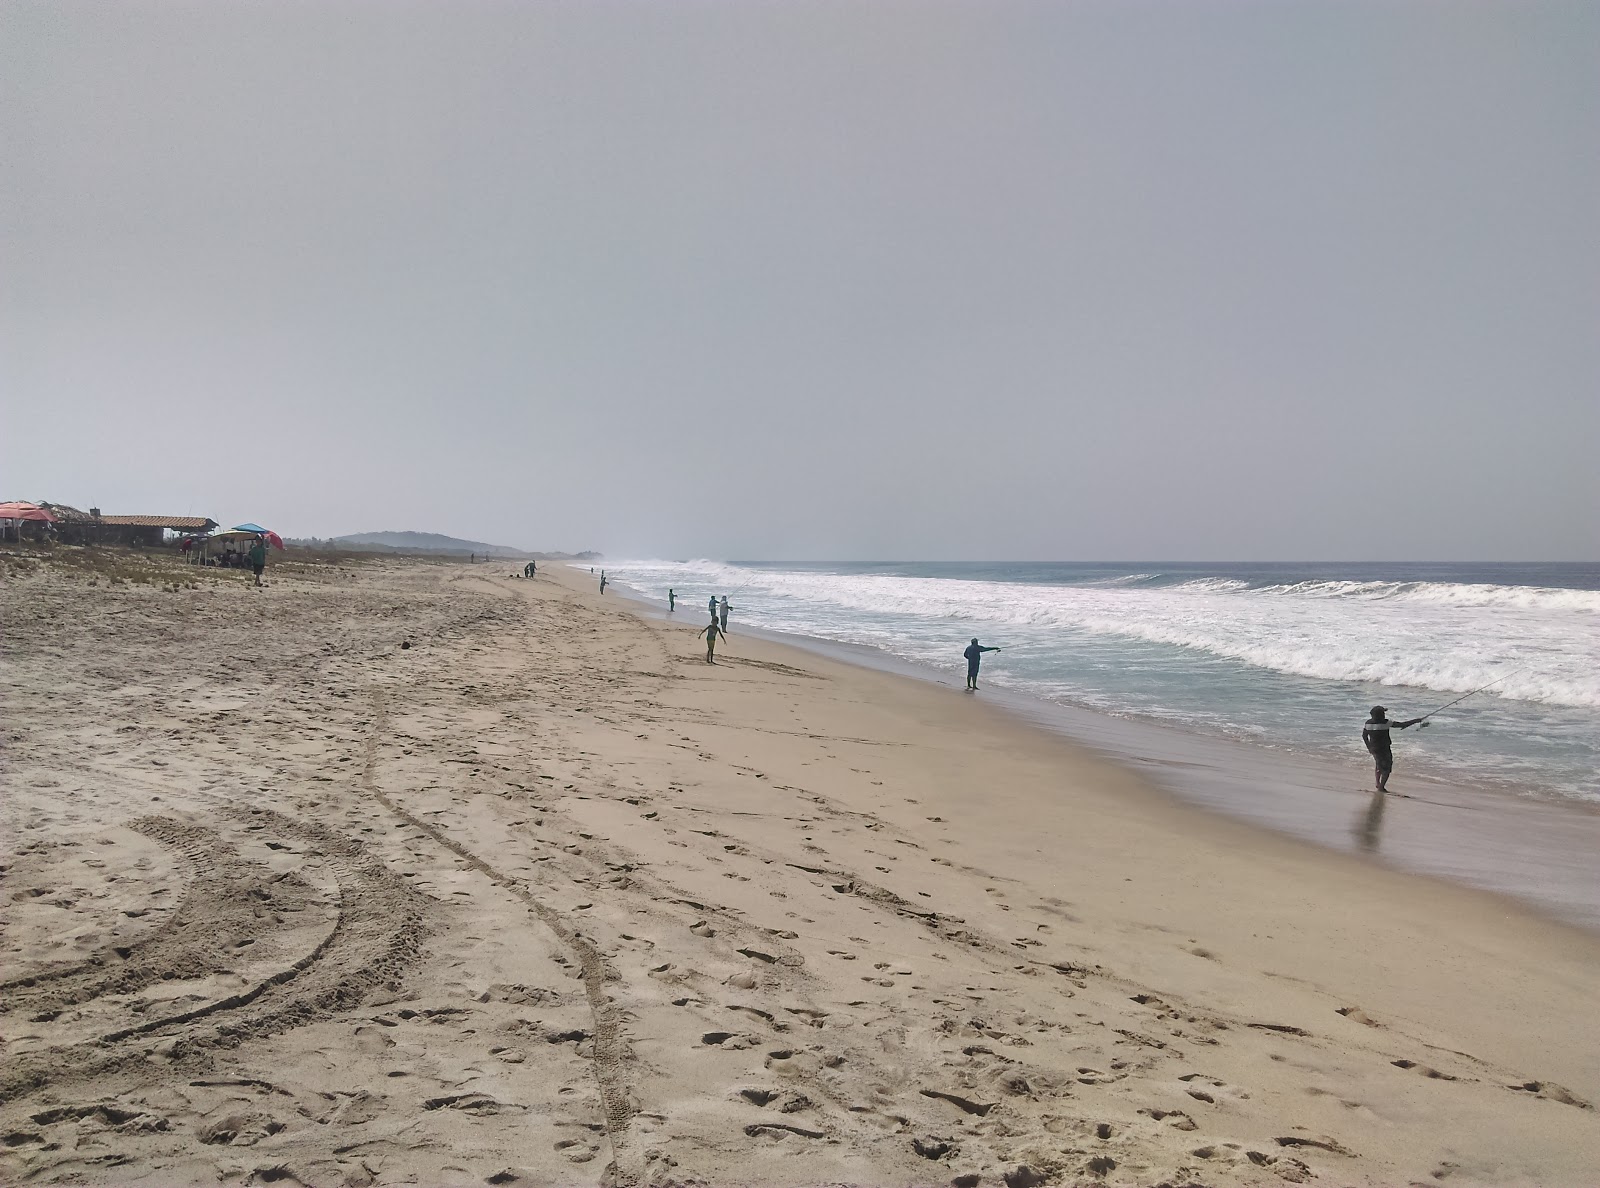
{"type": "Point", "coordinates": [1272, 280]}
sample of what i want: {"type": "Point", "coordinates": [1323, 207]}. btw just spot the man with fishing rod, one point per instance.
{"type": "Point", "coordinates": [1375, 732]}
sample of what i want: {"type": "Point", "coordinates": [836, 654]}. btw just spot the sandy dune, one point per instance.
{"type": "Point", "coordinates": [545, 899]}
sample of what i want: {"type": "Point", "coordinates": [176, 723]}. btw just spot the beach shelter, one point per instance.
{"type": "Point", "coordinates": [13, 515]}
{"type": "Point", "coordinates": [17, 510]}
{"type": "Point", "coordinates": [273, 538]}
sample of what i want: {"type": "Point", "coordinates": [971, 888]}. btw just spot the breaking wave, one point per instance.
{"type": "Point", "coordinates": [1445, 636]}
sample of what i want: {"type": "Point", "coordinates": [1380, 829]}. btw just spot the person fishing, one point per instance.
{"type": "Point", "coordinates": [602, 581]}
{"type": "Point", "coordinates": [974, 655]}
{"type": "Point", "coordinates": [722, 614]}
{"type": "Point", "coordinates": [672, 601]}
{"type": "Point", "coordinates": [711, 632]}
{"type": "Point", "coordinates": [713, 606]}
{"type": "Point", "coordinates": [1375, 734]}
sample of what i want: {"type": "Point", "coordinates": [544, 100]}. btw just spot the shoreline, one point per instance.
{"type": "Point", "coordinates": [452, 877]}
{"type": "Point", "coordinates": [1536, 850]}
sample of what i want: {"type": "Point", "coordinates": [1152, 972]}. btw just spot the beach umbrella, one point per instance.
{"type": "Point", "coordinates": [273, 538]}
{"type": "Point", "coordinates": [25, 511]}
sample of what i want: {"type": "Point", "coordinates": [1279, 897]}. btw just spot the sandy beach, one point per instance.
{"type": "Point", "coordinates": [543, 898]}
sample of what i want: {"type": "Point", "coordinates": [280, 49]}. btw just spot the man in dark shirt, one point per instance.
{"type": "Point", "coordinates": [258, 557]}
{"type": "Point", "coordinates": [1375, 733]}
{"type": "Point", "coordinates": [974, 655]}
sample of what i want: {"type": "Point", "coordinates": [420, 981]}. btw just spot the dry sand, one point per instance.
{"type": "Point", "coordinates": [545, 899]}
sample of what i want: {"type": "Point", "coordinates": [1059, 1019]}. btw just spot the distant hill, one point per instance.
{"type": "Point", "coordinates": [424, 542]}
{"type": "Point", "coordinates": [435, 542]}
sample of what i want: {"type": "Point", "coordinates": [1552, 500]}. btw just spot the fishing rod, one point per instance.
{"type": "Point", "coordinates": [1423, 720]}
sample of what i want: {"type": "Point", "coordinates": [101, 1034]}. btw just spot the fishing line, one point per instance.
{"type": "Point", "coordinates": [1474, 692]}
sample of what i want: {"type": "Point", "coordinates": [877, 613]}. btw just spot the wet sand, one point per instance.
{"type": "Point", "coordinates": [1539, 849]}
{"type": "Point", "coordinates": [544, 898]}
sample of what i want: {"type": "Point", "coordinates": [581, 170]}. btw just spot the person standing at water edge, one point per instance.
{"type": "Point", "coordinates": [711, 632]}
{"type": "Point", "coordinates": [672, 601]}
{"type": "Point", "coordinates": [1375, 734]}
{"type": "Point", "coordinates": [974, 655]}
{"type": "Point", "coordinates": [258, 557]}
{"type": "Point", "coordinates": [722, 616]}
{"type": "Point", "coordinates": [602, 581]}
{"type": "Point", "coordinates": [712, 604]}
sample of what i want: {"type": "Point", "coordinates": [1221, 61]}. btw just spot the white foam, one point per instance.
{"type": "Point", "coordinates": [1449, 637]}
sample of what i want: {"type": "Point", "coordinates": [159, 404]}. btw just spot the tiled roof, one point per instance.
{"type": "Point", "coordinates": [177, 523]}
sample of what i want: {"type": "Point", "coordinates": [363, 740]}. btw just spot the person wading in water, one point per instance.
{"type": "Point", "coordinates": [974, 655]}
{"type": "Point", "coordinates": [1375, 733]}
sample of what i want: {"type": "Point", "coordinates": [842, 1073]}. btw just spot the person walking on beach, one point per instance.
{"type": "Point", "coordinates": [974, 655]}
{"type": "Point", "coordinates": [672, 601]}
{"type": "Point", "coordinates": [529, 569]}
{"type": "Point", "coordinates": [722, 615]}
{"type": "Point", "coordinates": [602, 581]}
{"type": "Point", "coordinates": [1375, 734]}
{"type": "Point", "coordinates": [711, 632]}
{"type": "Point", "coordinates": [258, 557]}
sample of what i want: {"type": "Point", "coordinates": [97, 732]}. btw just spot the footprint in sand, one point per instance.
{"type": "Point", "coordinates": [1423, 1069]}
{"type": "Point", "coordinates": [729, 1041]}
{"type": "Point", "coordinates": [1550, 1091]}
{"type": "Point", "coordinates": [577, 1150]}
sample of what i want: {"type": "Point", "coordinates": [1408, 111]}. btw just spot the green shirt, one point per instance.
{"type": "Point", "coordinates": [258, 554]}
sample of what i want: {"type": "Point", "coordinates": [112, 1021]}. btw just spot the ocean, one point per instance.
{"type": "Point", "coordinates": [1284, 656]}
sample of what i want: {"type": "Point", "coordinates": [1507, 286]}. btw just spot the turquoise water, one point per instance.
{"type": "Point", "coordinates": [1285, 656]}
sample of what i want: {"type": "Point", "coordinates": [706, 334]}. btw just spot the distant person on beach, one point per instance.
{"type": "Point", "coordinates": [974, 655]}
{"type": "Point", "coordinates": [672, 601]}
{"type": "Point", "coordinates": [602, 581]}
{"type": "Point", "coordinates": [722, 614]}
{"type": "Point", "coordinates": [1375, 734]}
{"type": "Point", "coordinates": [711, 632]}
{"type": "Point", "coordinates": [258, 557]}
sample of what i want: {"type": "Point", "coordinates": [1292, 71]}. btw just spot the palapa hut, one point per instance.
{"type": "Point", "coordinates": [73, 526]}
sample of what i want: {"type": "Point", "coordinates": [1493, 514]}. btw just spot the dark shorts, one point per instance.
{"type": "Point", "coordinates": [972, 668]}
{"type": "Point", "coordinates": [259, 569]}
{"type": "Point", "coordinates": [1383, 760]}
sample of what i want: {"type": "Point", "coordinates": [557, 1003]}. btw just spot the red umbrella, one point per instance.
{"type": "Point", "coordinates": [26, 511]}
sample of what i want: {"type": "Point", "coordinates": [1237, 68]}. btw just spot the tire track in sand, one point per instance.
{"type": "Point", "coordinates": [627, 1168]}
{"type": "Point", "coordinates": [374, 938]}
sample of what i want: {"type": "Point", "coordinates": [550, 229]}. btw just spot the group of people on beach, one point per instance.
{"type": "Point", "coordinates": [714, 630]}
{"type": "Point", "coordinates": [1375, 732]}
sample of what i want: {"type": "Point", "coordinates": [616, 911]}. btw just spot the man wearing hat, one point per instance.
{"type": "Point", "coordinates": [1375, 733]}
{"type": "Point", "coordinates": [974, 655]}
